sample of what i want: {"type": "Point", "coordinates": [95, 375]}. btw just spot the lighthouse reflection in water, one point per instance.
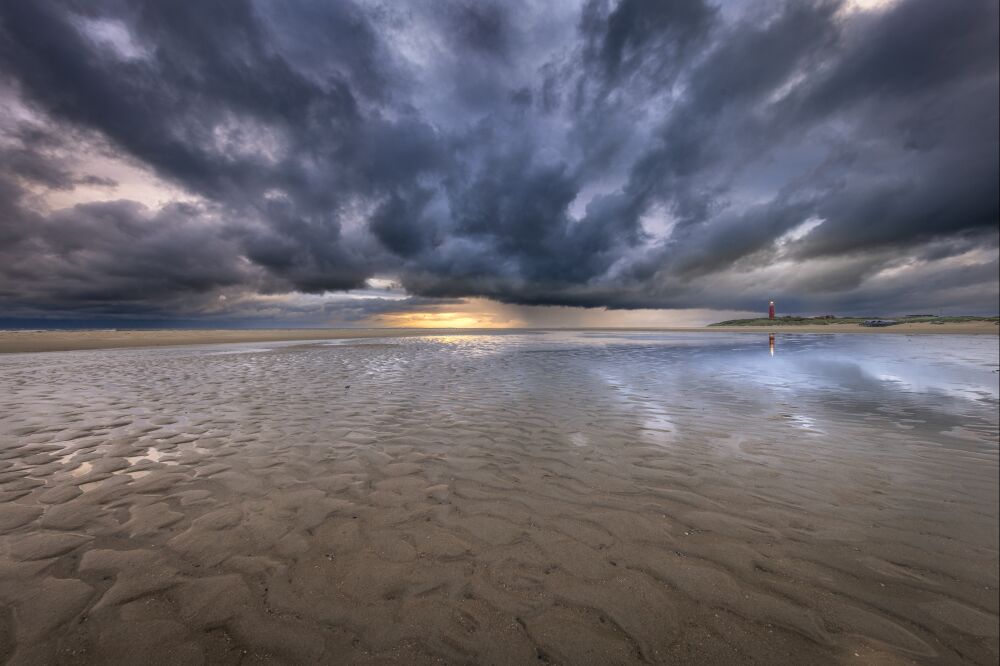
{"type": "Point", "coordinates": [770, 343]}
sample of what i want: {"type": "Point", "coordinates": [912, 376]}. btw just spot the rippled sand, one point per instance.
{"type": "Point", "coordinates": [567, 498]}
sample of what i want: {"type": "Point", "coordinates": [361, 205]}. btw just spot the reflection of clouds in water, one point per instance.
{"type": "Point", "coordinates": [468, 345]}
{"type": "Point", "coordinates": [660, 387]}
{"type": "Point", "coordinates": [655, 423]}
{"type": "Point", "coordinates": [959, 367]}
{"type": "Point", "coordinates": [801, 421]}
{"type": "Point", "coordinates": [814, 378]}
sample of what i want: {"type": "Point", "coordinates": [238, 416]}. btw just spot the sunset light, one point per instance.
{"type": "Point", "coordinates": [439, 320]}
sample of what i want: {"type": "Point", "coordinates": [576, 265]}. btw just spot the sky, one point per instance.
{"type": "Point", "coordinates": [507, 163]}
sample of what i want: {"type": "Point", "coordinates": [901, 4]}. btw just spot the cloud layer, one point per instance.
{"type": "Point", "coordinates": [232, 158]}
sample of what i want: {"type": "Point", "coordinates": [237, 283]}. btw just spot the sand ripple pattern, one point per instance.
{"type": "Point", "coordinates": [548, 498]}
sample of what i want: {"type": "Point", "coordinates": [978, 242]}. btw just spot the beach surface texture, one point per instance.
{"type": "Point", "coordinates": [532, 497]}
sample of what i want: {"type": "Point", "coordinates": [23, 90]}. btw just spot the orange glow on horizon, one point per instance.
{"type": "Point", "coordinates": [441, 320]}
{"type": "Point", "coordinates": [483, 313]}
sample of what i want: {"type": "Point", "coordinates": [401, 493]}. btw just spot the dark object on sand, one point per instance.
{"type": "Point", "coordinates": [879, 322]}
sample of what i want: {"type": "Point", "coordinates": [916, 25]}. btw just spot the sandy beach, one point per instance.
{"type": "Point", "coordinates": [39, 341]}
{"type": "Point", "coordinates": [564, 498]}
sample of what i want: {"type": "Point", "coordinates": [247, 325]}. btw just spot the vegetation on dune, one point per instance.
{"type": "Point", "coordinates": [823, 321]}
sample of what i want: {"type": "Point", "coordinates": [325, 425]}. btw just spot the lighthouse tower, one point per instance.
{"type": "Point", "coordinates": [770, 310]}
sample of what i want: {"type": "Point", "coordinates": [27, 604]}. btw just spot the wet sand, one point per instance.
{"type": "Point", "coordinates": [38, 341]}
{"type": "Point", "coordinates": [568, 498]}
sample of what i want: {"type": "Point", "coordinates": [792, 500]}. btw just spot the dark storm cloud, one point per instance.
{"type": "Point", "coordinates": [622, 154]}
{"type": "Point", "coordinates": [479, 26]}
{"type": "Point", "coordinates": [117, 255]}
{"type": "Point", "coordinates": [640, 36]}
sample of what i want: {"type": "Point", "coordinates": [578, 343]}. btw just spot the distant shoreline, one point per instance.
{"type": "Point", "coordinates": [61, 340]}
{"type": "Point", "coordinates": [830, 320]}
{"type": "Point", "coordinates": [982, 327]}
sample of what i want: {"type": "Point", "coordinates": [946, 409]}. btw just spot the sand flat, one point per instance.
{"type": "Point", "coordinates": [590, 497]}
{"type": "Point", "coordinates": [40, 341]}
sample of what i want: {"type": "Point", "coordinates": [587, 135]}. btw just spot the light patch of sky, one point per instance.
{"type": "Point", "coordinates": [448, 319]}
{"type": "Point", "coordinates": [735, 10]}
{"type": "Point", "coordinates": [658, 223]}
{"type": "Point", "coordinates": [13, 111]}
{"type": "Point", "coordinates": [782, 91]}
{"type": "Point", "coordinates": [322, 309]}
{"type": "Point", "coordinates": [134, 182]}
{"type": "Point", "coordinates": [355, 215]}
{"type": "Point", "coordinates": [246, 137]}
{"type": "Point", "coordinates": [853, 6]}
{"type": "Point", "coordinates": [800, 231]}
{"type": "Point", "coordinates": [578, 207]}
{"type": "Point", "coordinates": [568, 317]}
{"type": "Point", "coordinates": [350, 295]}
{"type": "Point", "coordinates": [974, 257]}
{"type": "Point", "coordinates": [483, 313]}
{"type": "Point", "coordinates": [85, 155]}
{"type": "Point", "coordinates": [113, 36]}
{"type": "Point", "coordinates": [385, 284]}
{"type": "Point", "coordinates": [288, 303]}
{"type": "Point", "coordinates": [780, 277]}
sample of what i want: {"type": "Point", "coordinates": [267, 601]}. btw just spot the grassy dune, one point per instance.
{"type": "Point", "coordinates": [810, 321]}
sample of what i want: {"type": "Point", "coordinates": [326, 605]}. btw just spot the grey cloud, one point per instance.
{"type": "Point", "coordinates": [643, 36]}
{"type": "Point", "coordinates": [515, 151]}
{"type": "Point", "coordinates": [480, 27]}
{"type": "Point", "coordinates": [103, 256]}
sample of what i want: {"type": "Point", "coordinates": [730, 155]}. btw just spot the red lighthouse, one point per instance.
{"type": "Point", "coordinates": [770, 310]}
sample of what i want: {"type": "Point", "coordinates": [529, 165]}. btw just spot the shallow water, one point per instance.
{"type": "Point", "coordinates": [566, 497]}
